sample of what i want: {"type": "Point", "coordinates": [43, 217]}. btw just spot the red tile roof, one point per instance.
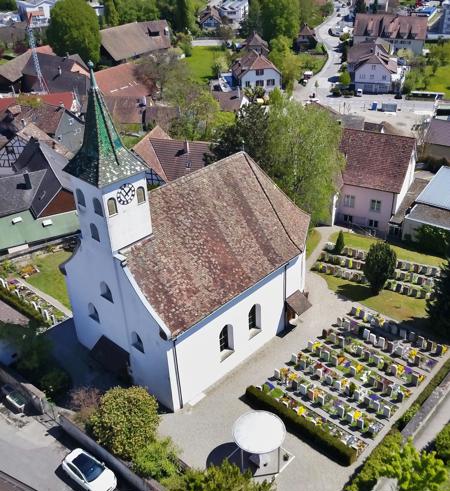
{"type": "Point", "coordinates": [390, 26]}
{"type": "Point", "coordinates": [251, 61]}
{"type": "Point", "coordinates": [376, 160]}
{"type": "Point", "coordinates": [121, 80]}
{"type": "Point", "coordinates": [65, 98]}
{"type": "Point", "coordinates": [216, 233]}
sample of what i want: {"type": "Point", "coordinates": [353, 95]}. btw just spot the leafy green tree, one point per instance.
{"type": "Point", "coordinates": [345, 79]}
{"type": "Point", "coordinates": [443, 444]}
{"type": "Point", "coordinates": [307, 10]}
{"type": "Point", "coordinates": [433, 240]}
{"type": "Point", "coordinates": [125, 421]}
{"type": "Point", "coordinates": [380, 265]}
{"type": "Point", "coordinates": [253, 22]}
{"type": "Point", "coordinates": [360, 7]}
{"type": "Point", "coordinates": [69, 33]}
{"type": "Point", "coordinates": [438, 310]}
{"type": "Point", "coordinates": [415, 471]}
{"type": "Point", "coordinates": [157, 459]}
{"type": "Point", "coordinates": [280, 18]}
{"type": "Point", "coordinates": [285, 60]}
{"type": "Point", "coordinates": [111, 14]}
{"type": "Point", "coordinates": [184, 15]}
{"type": "Point", "coordinates": [340, 243]}
{"type": "Point", "coordinates": [7, 5]}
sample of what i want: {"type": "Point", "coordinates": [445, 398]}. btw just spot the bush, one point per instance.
{"type": "Point", "coordinates": [320, 438]}
{"type": "Point", "coordinates": [158, 459]}
{"type": "Point", "coordinates": [340, 243]}
{"type": "Point", "coordinates": [407, 416]}
{"type": "Point", "coordinates": [336, 91]}
{"type": "Point", "coordinates": [379, 266]}
{"type": "Point", "coordinates": [24, 308]}
{"type": "Point", "coordinates": [443, 444]}
{"type": "Point", "coordinates": [56, 382]}
{"type": "Point", "coordinates": [84, 401]}
{"type": "Point", "coordinates": [432, 240]}
{"type": "Point", "coordinates": [125, 420]}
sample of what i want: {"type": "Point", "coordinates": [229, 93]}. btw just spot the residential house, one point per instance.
{"type": "Point", "coordinates": [121, 80]}
{"type": "Point", "coordinates": [169, 159]}
{"type": "Point", "coordinates": [13, 33]}
{"type": "Point", "coordinates": [256, 43]}
{"type": "Point", "coordinates": [436, 143]}
{"type": "Point", "coordinates": [234, 10]}
{"type": "Point", "coordinates": [431, 207]}
{"type": "Point", "coordinates": [38, 11]}
{"type": "Point", "coordinates": [375, 181]}
{"type": "Point", "coordinates": [129, 41]}
{"type": "Point", "coordinates": [36, 202]}
{"type": "Point", "coordinates": [373, 69]}
{"type": "Point", "coordinates": [181, 282]}
{"type": "Point", "coordinates": [62, 99]}
{"type": "Point", "coordinates": [401, 31]}
{"type": "Point", "coordinates": [209, 18]}
{"type": "Point", "coordinates": [230, 101]}
{"type": "Point", "coordinates": [255, 70]}
{"type": "Point", "coordinates": [55, 121]}
{"type": "Point", "coordinates": [9, 18]}
{"type": "Point", "coordinates": [306, 39]}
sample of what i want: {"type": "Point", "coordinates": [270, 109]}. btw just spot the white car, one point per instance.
{"type": "Point", "coordinates": [88, 472]}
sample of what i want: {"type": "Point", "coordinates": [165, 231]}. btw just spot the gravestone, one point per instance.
{"type": "Point", "coordinates": [337, 385]}
{"type": "Point", "coordinates": [294, 385]}
{"type": "Point", "coordinates": [325, 355]}
{"type": "Point", "coordinates": [341, 341]}
{"type": "Point", "coordinates": [400, 396]}
{"type": "Point", "coordinates": [381, 343]}
{"type": "Point", "coordinates": [387, 412]}
{"type": "Point", "coordinates": [310, 345]}
{"type": "Point", "coordinates": [376, 359]}
{"type": "Point", "coordinates": [394, 329]}
{"type": "Point", "coordinates": [366, 334]}
{"type": "Point", "coordinates": [352, 371]}
{"type": "Point", "coordinates": [356, 395]}
{"type": "Point", "coordinates": [319, 373]}
{"type": "Point", "coordinates": [334, 360]}
{"type": "Point", "coordinates": [359, 350]}
{"type": "Point", "coordinates": [439, 349]}
{"type": "Point", "coordinates": [373, 339]}
{"type": "Point", "coordinates": [376, 406]}
{"type": "Point", "coordinates": [414, 379]}
{"type": "Point", "coordinates": [399, 349]}
{"type": "Point", "coordinates": [350, 418]}
{"type": "Point", "coordinates": [412, 336]}
{"type": "Point", "coordinates": [366, 355]}
{"type": "Point", "coordinates": [333, 338]}
{"type": "Point", "coordinates": [53, 319]}
{"type": "Point", "coordinates": [393, 370]}
{"type": "Point", "coordinates": [302, 364]}
{"type": "Point", "coordinates": [417, 360]}
{"type": "Point", "coordinates": [367, 400]}
{"type": "Point", "coordinates": [325, 333]}
{"type": "Point", "coordinates": [321, 399]}
{"type": "Point", "coordinates": [346, 324]}
{"type": "Point", "coordinates": [303, 388]}
{"type": "Point", "coordinates": [311, 395]}
{"type": "Point", "coordinates": [421, 343]}
{"type": "Point", "coordinates": [390, 347]}
{"type": "Point", "coordinates": [340, 411]}
{"type": "Point", "coordinates": [294, 358]}
{"type": "Point", "coordinates": [276, 374]}
{"type": "Point", "coordinates": [429, 345]}
{"type": "Point", "coordinates": [328, 379]}
{"type": "Point", "coordinates": [360, 423]}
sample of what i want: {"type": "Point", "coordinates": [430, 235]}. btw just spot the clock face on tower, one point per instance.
{"type": "Point", "coordinates": [126, 193]}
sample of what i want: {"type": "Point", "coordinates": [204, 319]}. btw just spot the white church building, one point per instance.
{"type": "Point", "coordinates": [182, 283]}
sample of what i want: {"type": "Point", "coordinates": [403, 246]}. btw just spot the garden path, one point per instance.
{"type": "Point", "coordinates": [51, 300]}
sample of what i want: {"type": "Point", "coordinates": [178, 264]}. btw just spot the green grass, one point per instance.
{"type": "Point", "coordinates": [391, 304]}
{"type": "Point", "coordinates": [440, 81]}
{"type": "Point", "coordinates": [49, 279]}
{"type": "Point", "coordinates": [312, 241]}
{"type": "Point", "coordinates": [202, 61]}
{"type": "Point", "coordinates": [404, 253]}
{"type": "Point", "coordinates": [311, 62]}
{"type": "Point", "coordinates": [130, 141]}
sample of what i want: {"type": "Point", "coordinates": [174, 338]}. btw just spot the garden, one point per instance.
{"type": "Point", "coordinates": [347, 385]}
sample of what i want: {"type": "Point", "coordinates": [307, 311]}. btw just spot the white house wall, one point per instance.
{"type": "Point", "coordinates": [372, 74]}
{"type": "Point", "coordinates": [269, 73]}
{"type": "Point", "coordinates": [409, 178]}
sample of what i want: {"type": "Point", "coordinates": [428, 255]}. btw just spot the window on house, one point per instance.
{"type": "Point", "coordinates": [372, 77]}
{"type": "Point", "coordinates": [373, 223]}
{"type": "Point", "coordinates": [80, 198]}
{"type": "Point", "coordinates": [374, 67]}
{"type": "Point", "coordinates": [260, 83]}
{"type": "Point", "coordinates": [271, 82]}
{"type": "Point", "coordinates": [105, 291]}
{"type": "Point", "coordinates": [259, 72]}
{"type": "Point", "coordinates": [224, 339]}
{"type": "Point", "coordinates": [93, 313]}
{"type": "Point", "coordinates": [349, 201]}
{"type": "Point", "coordinates": [384, 77]}
{"type": "Point", "coordinates": [136, 341]}
{"type": "Point", "coordinates": [348, 218]}
{"type": "Point", "coordinates": [248, 84]}
{"type": "Point", "coordinates": [97, 207]}
{"type": "Point", "coordinates": [375, 205]}
{"type": "Point", "coordinates": [140, 193]}
{"type": "Point", "coordinates": [112, 207]}
{"type": "Point", "coordinates": [362, 76]}
{"type": "Point", "coordinates": [94, 232]}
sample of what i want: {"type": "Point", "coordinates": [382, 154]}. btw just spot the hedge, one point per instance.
{"type": "Point", "coordinates": [19, 305]}
{"type": "Point", "coordinates": [424, 395]}
{"type": "Point", "coordinates": [303, 428]}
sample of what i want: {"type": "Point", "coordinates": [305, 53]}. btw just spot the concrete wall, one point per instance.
{"type": "Point", "coordinates": [269, 73]}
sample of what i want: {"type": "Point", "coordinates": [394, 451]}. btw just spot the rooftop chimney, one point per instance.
{"type": "Point", "coordinates": [26, 178]}
{"type": "Point", "coordinates": [186, 146]}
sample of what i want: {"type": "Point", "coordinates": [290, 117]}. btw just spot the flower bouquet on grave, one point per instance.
{"type": "Point", "coordinates": [444, 349]}
{"type": "Point", "coordinates": [284, 372]}
{"type": "Point", "coordinates": [301, 411]}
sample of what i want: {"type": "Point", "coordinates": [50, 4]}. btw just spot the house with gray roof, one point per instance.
{"type": "Point", "coordinates": [436, 143]}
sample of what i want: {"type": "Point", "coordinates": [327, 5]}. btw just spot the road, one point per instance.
{"type": "Point", "coordinates": [409, 113]}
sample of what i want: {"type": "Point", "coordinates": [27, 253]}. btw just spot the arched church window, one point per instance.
{"type": "Point", "coordinates": [136, 341]}
{"type": "Point", "coordinates": [112, 207]}
{"type": "Point", "coordinates": [224, 339]}
{"type": "Point", "coordinates": [94, 232]}
{"type": "Point", "coordinates": [97, 207]}
{"type": "Point", "coordinates": [140, 192]}
{"type": "Point", "coordinates": [93, 313]}
{"type": "Point", "coordinates": [80, 198]}
{"type": "Point", "coordinates": [105, 291]}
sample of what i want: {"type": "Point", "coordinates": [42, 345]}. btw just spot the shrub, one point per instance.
{"type": "Point", "coordinates": [125, 420]}
{"type": "Point", "coordinates": [55, 382]}
{"type": "Point", "coordinates": [320, 438]}
{"type": "Point", "coordinates": [22, 307]}
{"type": "Point", "coordinates": [157, 459]}
{"type": "Point", "coordinates": [84, 401]}
{"type": "Point", "coordinates": [380, 265]}
{"type": "Point", "coordinates": [336, 91]}
{"type": "Point", "coordinates": [443, 444]}
{"type": "Point", "coordinates": [340, 243]}
{"type": "Point", "coordinates": [407, 416]}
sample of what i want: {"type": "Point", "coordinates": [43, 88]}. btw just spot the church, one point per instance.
{"type": "Point", "coordinates": [182, 283]}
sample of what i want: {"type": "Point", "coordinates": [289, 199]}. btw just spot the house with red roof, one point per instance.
{"type": "Point", "coordinates": [255, 70]}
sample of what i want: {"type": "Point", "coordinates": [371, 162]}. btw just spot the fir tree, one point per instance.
{"type": "Point", "coordinates": [438, 309]}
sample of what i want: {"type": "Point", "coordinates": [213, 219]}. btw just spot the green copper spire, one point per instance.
{"type": "Point", "coordinates": [103, 158]}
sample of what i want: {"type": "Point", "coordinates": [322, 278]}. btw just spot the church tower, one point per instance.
{"type": "Point", "coordinates": [109, 182]}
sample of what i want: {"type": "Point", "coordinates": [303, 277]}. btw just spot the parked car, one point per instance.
{"type": "Point", "coordinates": [398, 96]}
{"type": "Point", "coordinates": [359, 92]}
{"type": "Point", "coordinates": [14, 398]}
{"type": "Point", "coordinates": [88, 472]}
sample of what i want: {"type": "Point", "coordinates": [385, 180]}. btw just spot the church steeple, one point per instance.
{"type": "Point", "coordinates": [102, 159]}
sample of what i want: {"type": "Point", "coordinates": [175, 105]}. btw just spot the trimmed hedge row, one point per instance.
{"type": "Point", "coordinates": [17, 304]}
{"type": "Point", "coordinates": [424, 395]}
{"type": "Point", "coordinates": [303, 428]}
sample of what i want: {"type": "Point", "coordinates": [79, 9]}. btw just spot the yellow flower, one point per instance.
{"type": "Point", "coordinates": [300, 410]}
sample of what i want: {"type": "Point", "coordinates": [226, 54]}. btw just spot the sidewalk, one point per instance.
{"type": "Point", "coordinates": [48, 298]}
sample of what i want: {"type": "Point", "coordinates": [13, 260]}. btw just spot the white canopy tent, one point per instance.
{"type": "Point", "coordinates": [259, 433]}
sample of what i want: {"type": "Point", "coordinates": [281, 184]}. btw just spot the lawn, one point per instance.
{"type": "Point", "coordinates": [311, 62]}
{"type": "Point", "coordinates": [202, 61]}
{"type": "Point", "coordinates": [391, 304]}
{"type": "Point", "coordinates": [50, 280]}
{"type": "Point", "coordinates": [440, 81]}
{"type": "Point", "coordinates": [312, 241]}
{"type": "Point", "coordinates": [405, 253]}
{"type": "Point", "coordinates": [130, 141]}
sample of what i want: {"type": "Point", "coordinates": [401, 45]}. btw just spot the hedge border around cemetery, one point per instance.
{"type": "Point", "coordinates": [320, 439]}
{"type": "Point", "coordinates": [13, 301]}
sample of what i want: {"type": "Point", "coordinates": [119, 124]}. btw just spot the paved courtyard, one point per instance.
{"type": "Point", "coordinates": [203, 431]}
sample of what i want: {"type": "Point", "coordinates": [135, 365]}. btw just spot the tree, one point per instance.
{"type": "Point", "coordinates": [125, 420]}
{"type": "Point", "coordinates": [69, 33]}
{"type": "Point", "coordinates": [432, 240]}
{"type": "Point", "coordinates": [285, 60]}
{"type": "Point", "coordinates": [360, 7]}
{"type": "Point", "coordinates": [340, 243]}
{"type": "Point", "coordinates": [443, 444]}
{"type": "Point", "coordinates": [184, 15]}
{"type": "Point", "coordinates": [374, 6]}
{"type": "Point", "coordinates": [253, 22]}
{"type": "Point", "coordinates": [226, 477]}
{"type": "Point", "coordinates": [438, 309]}
{"type": "Point", "coordinates": [345, 79]}
{"type": "Point", "coordinates": [307, 11]}
{"type": "Point", "coordinates": [380, 265]}
{"type": "Point", "coordinates": [157, 459]}
{"type": "Point", "coordinates": [7, 5]}
{"type": "Point", "coordinates": [414, 471]}
{"type": "Point", "coordinates": [280, 18]}
{"type": "Point", "coordinates": [111, 14]}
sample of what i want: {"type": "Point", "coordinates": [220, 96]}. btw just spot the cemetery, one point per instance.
{"type": "Point", "coordinates": [353, 379]}
{"type": "Point", "coordinates": [412, 279]}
